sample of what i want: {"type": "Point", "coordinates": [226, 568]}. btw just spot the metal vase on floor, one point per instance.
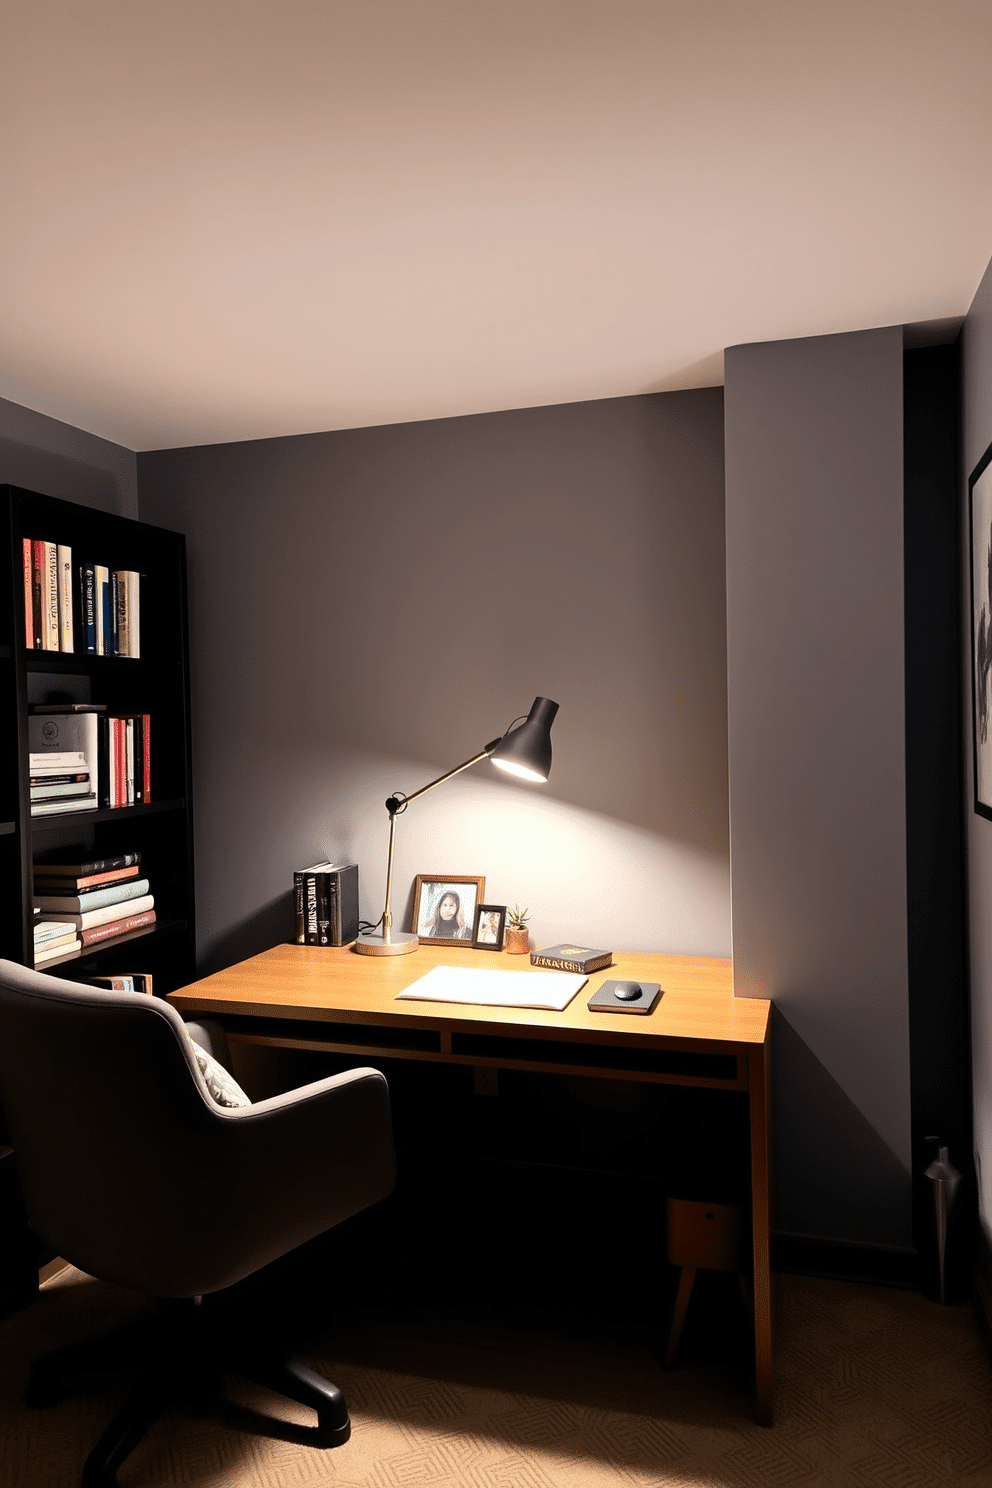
{"type": "Point", "coordinates": [944, 1180]}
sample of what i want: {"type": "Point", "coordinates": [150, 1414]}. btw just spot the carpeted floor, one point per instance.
{"type": "Point", "coordinates": [874, 1387]}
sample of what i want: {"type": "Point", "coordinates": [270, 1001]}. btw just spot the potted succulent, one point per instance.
{"type": "Point", "coordinates": [517, 938]}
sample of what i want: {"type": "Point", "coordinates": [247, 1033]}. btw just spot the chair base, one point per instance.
{"type": "Point", "coordinates": [179, 1354]}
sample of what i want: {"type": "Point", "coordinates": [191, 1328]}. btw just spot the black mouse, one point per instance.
{"type": "Point", "coordinates": [627, 991]}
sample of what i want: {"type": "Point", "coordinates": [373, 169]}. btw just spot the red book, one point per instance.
{"type": "Point", "coordinates": [117, 927]}
{"type": "Point", "coordinates": [146, 750]}
{"type": "Point", "coordinates": [46, 884]}
{"type": "Point", "coordinates": [39, 578]}
{"type": "Point", "coordinates": [28, 603]}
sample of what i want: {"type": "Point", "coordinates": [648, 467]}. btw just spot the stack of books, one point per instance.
{"type": "Point", "coordinates": [326, 897]}
{"type": "Point", "coordinates": [124, 749]}
{"type": "Point", "coordinates": [99, 900]}
{"type": "Point", "coordinates": [115, 754]}
{"type": "Point", "coordinates": [60, 781]}
{"type": "Point", "coordinates": [54, 941]}
{"type": "Point", "coordinates": [87, 608]}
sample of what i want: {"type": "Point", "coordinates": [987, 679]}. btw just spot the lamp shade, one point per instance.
{"type": "Point", "coordinates": [526, 751]}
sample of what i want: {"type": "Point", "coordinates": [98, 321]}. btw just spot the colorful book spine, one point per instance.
{"type": "Point", "coordinates": [90, 865]}
{"type": "Point", "coordinates": [87, 585]}
{"type": "Point", "coordinates": [101, 602]}
{"type": "Point", "coordinates": [86, 919]}
{"type": "Point", "coordinates": [75, 884]}
{"type": "Point", "coordinates": [146, 756]}
{"type": "Point", "coordinates": [134, 613]}
{"type": "Point", "coordinates": [51, 597]}
{"type": "Point", "coordinates": [92, 899]}
{"type": "Point", "coordinates": [38, 593]}
{"type": "Point", "coordinates": [28, 605]}
{"type": "Point", "coordinates": [113, 928]}
{"type": "Point", "coordinates": [65, 597]}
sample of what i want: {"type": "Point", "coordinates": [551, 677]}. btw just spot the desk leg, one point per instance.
{"type": "Point", "coordinates": [759, 1097]}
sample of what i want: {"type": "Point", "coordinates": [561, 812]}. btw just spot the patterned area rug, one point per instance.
{"type": "Point", "coordinates": [874, 1387]}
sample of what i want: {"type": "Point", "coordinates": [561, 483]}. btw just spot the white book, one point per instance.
{"type": "Point", "coordinates": [59, 952]}
{"type": "Point", "coordinates": [99, 898]}
{"type": "Point", "coordinates": [134, 613]}
{"type": "Point", "coordinates": [109, 912]}
{"type": "Point", "coordinates": [129, 761]}
{"type": "Point", "coordinates": [57, 762]}
{"type": "Point", "coordinates": [65, 598]}
{"type": "Point", "coordinates": [51, 736]}
{"type": "Point", "coordinates": [46, 930]}
{"type": "Point", "coordinates": [59, 807]}
{"type": "Point", "coordinates": [50, 599]}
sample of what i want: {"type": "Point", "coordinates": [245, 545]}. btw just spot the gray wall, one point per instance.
{"type": "Point", "coordinates": [42, 454]}
{"type": "Point", "coordinates": [368, 607]}
{"type": "Point", "coordinates": [977, 374]}
{"type": "Point", "coordinates": [814, 456]}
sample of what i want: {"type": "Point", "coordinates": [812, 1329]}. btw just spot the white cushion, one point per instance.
{"type": "Point", "coordinates": [222, 1086]}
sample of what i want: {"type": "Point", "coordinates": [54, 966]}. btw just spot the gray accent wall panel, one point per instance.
{"type": "Point", "coordinates": [43, 454]}
{"type": "Point", "coordinates": [368, 607]}
{"type": "Point", "coordinates": [816, 730]}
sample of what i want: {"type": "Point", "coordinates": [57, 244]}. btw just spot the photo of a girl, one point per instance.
{"type": "Point", "coordinates": [447, 922]}
{"type": "Point", "coordinates": [444, 908]}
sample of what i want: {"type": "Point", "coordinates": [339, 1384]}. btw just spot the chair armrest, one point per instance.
{"type": "Point", "coordinates": [274, 1175]}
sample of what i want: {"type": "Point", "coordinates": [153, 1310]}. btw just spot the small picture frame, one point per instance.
{"type": "Point", "coordinates": [444, 906]}
{"type": "Point", "coordinates": [487, 933]}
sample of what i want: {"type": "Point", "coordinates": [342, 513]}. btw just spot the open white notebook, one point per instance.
{"type": "Point", "coordinates": [528, 989]}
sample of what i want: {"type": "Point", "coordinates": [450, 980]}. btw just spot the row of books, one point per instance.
{"type": "Point", "coordinates": [80, 905]}
{"type": "Point", "coordinates": [87, 607]}
{"type": "Point", "coordinates": [326, 897]}
{"type": "Point", "coordinates": [82, 757]}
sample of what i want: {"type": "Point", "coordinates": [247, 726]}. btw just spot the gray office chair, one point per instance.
{"type": "Point", "coordinates": [132, 1171]}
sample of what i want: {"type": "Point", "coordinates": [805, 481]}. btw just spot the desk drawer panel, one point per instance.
{"type": "Point", "coordinates": [353, 1035]}
{"type": "Point", "coordinates": [686, 1063]}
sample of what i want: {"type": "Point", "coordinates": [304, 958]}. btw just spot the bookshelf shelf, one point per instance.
{"type": "Point", "coordinates": [103, 814]}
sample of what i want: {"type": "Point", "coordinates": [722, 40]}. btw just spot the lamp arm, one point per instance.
{"type": "Point", "coordinates": [397, 804]}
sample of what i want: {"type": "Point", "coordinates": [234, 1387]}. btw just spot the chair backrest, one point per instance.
{"type": "Point", "coordinates": [114, 1131]}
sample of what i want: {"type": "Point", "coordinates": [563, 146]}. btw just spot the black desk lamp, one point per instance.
{"type": "Point", "coordinates": [523, 751]}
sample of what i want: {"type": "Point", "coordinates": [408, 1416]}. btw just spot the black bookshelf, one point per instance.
{"type": "Point", "coordinates": [156, 683]}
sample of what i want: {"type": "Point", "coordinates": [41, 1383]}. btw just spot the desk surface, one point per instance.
{"type": "Point", "coordinates": [310, 982]}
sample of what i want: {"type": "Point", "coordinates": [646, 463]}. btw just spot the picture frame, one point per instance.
{"type": "Point", "coordinates": [980, 530]}
{"type": "Point", "coordinates": [432, 893]}
{"type": "Point", "coordinates": [490, 922]}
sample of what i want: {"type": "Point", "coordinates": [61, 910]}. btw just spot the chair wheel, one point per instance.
{"type": "Point", "coordinates": [334, 1435]}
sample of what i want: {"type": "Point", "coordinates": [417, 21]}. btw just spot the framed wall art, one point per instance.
{"type": "Point", "coordinates": [980, 512]}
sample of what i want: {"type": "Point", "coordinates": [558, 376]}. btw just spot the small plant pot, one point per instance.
{"type": "Point", "coordinates": [517, 942]}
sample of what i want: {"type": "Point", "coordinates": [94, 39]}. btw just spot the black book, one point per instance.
{"type": "Point", "coordinates": [300, 904]}
{"type": "Point", "coordinates": [112, 646]}
{"type": "Point", "coordinates": [53, 867]}
{"type": "Point", "coordinates": [67, 707]}
{"type": "Point", "coordinates": [327, 904]}
{"type": "Point", "coordinates": [103, 765]}
{"type": "Point", "coordinates": [342, 891]}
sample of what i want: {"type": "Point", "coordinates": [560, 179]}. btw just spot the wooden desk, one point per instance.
{"type": "Point", "coordinates": [303, 997]}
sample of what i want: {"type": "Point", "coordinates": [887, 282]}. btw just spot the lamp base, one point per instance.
{"type": "Point", "coordinates": [400, 943]}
